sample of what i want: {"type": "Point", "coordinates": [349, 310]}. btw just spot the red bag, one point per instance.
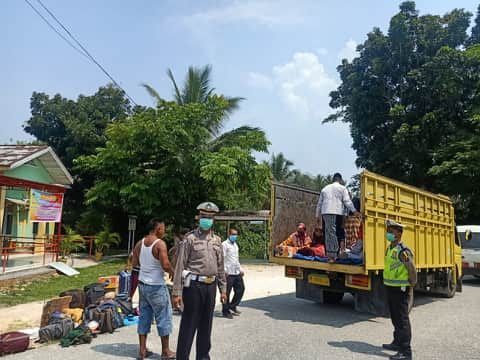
{"type": "Point", "coordinates": [13, 342]}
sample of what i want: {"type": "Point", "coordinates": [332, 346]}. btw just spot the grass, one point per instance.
{"type": "Point", "coordinates": [46, 289]}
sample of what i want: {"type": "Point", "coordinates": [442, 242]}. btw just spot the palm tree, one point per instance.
{"type": "Point", "coordinates": [104, 240]}
{"type": "Point", "coordinates": [72, 242]}
{"type": "Point", "coordinates": [280, 167]}
{"type": "Point", "coordinates": [197, 89]}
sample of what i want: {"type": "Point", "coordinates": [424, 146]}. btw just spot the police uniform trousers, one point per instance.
{"type": "Point", "coordinates": [398, 305]}
{"type": "Point", "coordinates": [197, 317]}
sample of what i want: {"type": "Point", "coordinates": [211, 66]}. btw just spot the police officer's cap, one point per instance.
{"type": "Point", "coordinates": [391, 223]}
{"type": "Point", "coordinates": [209, 207]}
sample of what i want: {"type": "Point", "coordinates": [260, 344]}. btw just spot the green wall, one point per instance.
{"type": "Point", "coordinates": [33, 171]}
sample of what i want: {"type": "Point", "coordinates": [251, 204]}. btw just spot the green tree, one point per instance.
{"type": "Point", "coordinates": [197, 88]}
{"type": "Point", "coordinates": [281, 167]}
{"type": "Point", "coordinates": [74, 128]}
{"type": "Point", "coordinates": [159, 162]}
{"type": "Point", "coordinates": [410, 95]}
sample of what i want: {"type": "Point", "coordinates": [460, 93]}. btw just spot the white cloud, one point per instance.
{"type": "Point", "coordinates": [304, 85]}
{"type": "Point", "coordinates": [349, 50]}
{"type": "Point", "coordinates": [259, 80]}
{"type": "Point", "coordinates": [267, 13]}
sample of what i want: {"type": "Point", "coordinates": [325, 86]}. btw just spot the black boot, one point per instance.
{"type": "Point", "coordinates": [391, 347]}
{"type": "Point", "coordinates": [401, 356]}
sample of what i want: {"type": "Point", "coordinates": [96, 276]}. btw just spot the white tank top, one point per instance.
{"type": "Point", "coordinates": [151, 271]}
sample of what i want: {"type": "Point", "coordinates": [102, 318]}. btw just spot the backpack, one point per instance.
{"type": "Point", "coordinates": [124, 304]}
{"type": "Point", "coordinates": [56, 330]}
{"type": "Point", "coordinates": [93, 293]}
{"type": "Point", "coordinates": [78, 298]}
{"type": "Point", "coordinates": [107, 314]}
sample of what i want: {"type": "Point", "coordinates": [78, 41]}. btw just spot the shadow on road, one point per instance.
{"type": "Point", "coordinates": [360, 347]}
{"type": "Point", "coordinates": [121, 350]}
{"type": "Point", "coordinates": [288, 307]}
{"type": "Point", "coordinates": [471, 281]}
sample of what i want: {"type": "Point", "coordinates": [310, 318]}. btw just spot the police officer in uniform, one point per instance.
{"type": "Point", "coordinates": [399, 277]}
{"type": "Point", "coordinates": [198, 271]}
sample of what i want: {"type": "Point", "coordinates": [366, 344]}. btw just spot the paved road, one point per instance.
{"type": "Point", "coordinates": [282, 327]}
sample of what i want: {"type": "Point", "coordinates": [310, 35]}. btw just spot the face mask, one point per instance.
{"type": "Point", "coordinates": [233, 238]}
{"type": "Point", "coordinates": [390, 237]}
{"type": "Point", "coordinates": [206, 223]}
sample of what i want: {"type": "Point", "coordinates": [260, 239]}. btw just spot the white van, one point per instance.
{"type": "Point", "coordinates": [470, 240]}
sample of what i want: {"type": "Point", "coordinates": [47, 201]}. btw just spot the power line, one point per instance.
{"type": "Point", "coordinates": [54, 29]}
{"type": "Point", "coordinates": [85, 51]}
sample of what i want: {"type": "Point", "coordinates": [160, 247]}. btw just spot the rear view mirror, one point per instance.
{"type": "Point", "coordinates": [468, 235]}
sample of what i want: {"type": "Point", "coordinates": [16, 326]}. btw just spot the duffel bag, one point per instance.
{"type": "Point", "coordinates": [13, 342]}
{"type": "Point", "coordinates": [94, 293]}
{"type": "Point", "coordinates": [78, 298]}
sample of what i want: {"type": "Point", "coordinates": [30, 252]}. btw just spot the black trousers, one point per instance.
{"type": "Point", "coordinates": [236, 283]}
{"type": "Point", "coordinates": [197, 317]}
{"type": "Point", "coordinates": [398, 304]}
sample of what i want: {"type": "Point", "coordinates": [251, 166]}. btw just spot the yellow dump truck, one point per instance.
{"type": "Point", "coordinates": [430, 233]}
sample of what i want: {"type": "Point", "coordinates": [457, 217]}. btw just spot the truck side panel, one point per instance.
{"type": "Point", "coordinates": [291, 205]}
{"type": "Point", "coordinates": [429, 220]}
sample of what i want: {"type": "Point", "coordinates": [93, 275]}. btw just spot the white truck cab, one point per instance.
{"type": "Point", "coordinates": [470, 240]}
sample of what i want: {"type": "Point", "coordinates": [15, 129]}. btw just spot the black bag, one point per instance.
{"type": "Point", "coordinates": [94, 293]}
{"type": "Point", "coordinates": [125, 304]}
{"type": "Point", "coordinates": [107, 315]}
{"type": "Point", "coordinates": [78, 298]}
{"type": "Point", "coordinates": [55, 331]}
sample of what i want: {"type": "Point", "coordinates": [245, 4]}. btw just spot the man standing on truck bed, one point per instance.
{"type": "Point", "coordinates": [331, 205]}
{"type": "Point", "coordinates": [399, 277]}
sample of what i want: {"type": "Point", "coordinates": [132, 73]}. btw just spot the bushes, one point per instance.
{"type": "Point", "coordinates": [252, 244]}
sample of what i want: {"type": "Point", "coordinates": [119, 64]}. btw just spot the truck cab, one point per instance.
{"type": "Point", "coordinates": [470, 238]}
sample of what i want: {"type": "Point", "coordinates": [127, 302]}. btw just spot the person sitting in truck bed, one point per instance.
{"type": "Point", "coordinates": [317, 248]}
{"type": "Point", "coordinates": [299, 239]}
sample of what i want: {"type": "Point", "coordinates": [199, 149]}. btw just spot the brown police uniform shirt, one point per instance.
{"type": "Point", "coordinates": [201, 254]}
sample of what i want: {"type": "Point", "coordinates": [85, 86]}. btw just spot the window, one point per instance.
{"type": "Point", "coordinates": [9, 224]}
{"type": "Point", "coordinates": [47, 228]}
{"type": "Point", "coordinates": [35, 228]}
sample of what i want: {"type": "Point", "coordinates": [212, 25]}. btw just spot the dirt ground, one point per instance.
{"type": "Point", "coordinates": [256, 277]}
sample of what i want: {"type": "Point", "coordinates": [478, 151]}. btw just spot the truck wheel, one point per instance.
{"type": "Point", "coordinates": [331, 297]}
{"type": "Point", "coordinates": [451, 288]}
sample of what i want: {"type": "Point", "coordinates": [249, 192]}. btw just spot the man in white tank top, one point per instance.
{"type": "Point", "coordinates": [151, 255]}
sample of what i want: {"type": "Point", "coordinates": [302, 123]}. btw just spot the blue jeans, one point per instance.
{"type": "Point", "coordinates": [154, 303]}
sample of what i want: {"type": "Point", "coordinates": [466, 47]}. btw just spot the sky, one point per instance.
{"type": "Point", "coordinates": [280, 55]}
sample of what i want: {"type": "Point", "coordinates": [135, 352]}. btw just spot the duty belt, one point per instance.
{"type": "Point", "coordinates": [203, 279]}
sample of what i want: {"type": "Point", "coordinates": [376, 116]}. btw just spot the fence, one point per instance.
{"type": "Point", "coordinates": [26, 252]}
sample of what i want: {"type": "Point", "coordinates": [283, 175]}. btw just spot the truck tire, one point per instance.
{"type": "Point", "coordinates": [451, 288]}
{"type": "Point", "coordinates": [332, 297]}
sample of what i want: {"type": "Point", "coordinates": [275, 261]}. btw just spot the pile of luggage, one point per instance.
{"type": "Point", "coordinates": [98, 308]}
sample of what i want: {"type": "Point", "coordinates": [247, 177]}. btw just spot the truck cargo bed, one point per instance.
{"type": "Point", "coordinates": [347, 269]}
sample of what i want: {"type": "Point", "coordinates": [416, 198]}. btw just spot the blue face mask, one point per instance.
{"type": "Point", "coordinates": [206, 223]}
{"type": "Point", "coordinates": [233, 238]}
{"type": "Point", "coordinates": [390, 237]}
